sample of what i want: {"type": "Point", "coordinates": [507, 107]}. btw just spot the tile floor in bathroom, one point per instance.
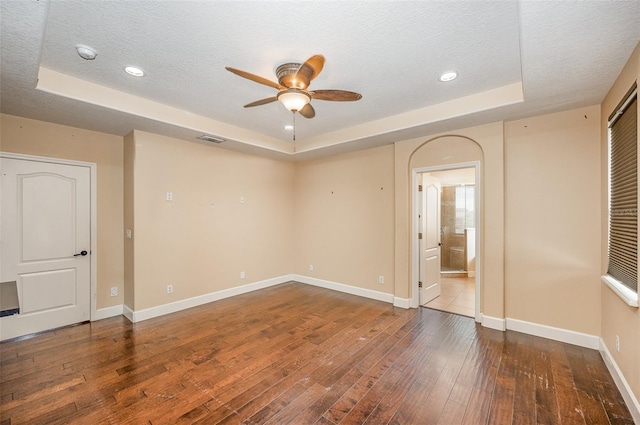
{"type": "Point", "coordinates": [457, 295]}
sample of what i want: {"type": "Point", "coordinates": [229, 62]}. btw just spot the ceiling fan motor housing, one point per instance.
{"type": "Point", "coordinates": [286, 75]}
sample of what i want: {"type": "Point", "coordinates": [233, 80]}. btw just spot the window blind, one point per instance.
{"type": "Point", "coordinates": [623, 195]}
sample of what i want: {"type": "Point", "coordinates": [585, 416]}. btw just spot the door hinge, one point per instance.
{"type": "Point", "coordinates": [419, 284]}
{"type": "Point", "coordinates": [419, 188]}
{"type": "Point", "coordinates": [420, 235]}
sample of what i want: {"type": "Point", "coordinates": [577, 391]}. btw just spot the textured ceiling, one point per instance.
{"type": "Point", "coordinates": [514, 59]}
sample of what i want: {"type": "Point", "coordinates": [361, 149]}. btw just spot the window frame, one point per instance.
{"type": "Point", "coordinates": [623, 290]}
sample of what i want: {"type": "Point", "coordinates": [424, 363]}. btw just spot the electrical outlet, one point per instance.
{"type": "Point", "coordinates": [242, 199]}
{"type": "Point", "coordinates": [169, 289]}
{"type": "Point", "coordinates": [241, 275]}
{"type": "Point", "coordinates": [169, 196]}
{"type": "Point", "coordinates": [114, 291]}
{"type": "Point", "coordinates": [617, 343]}
{"type": "Point", "coordinates": [381, 280]}
{"type": "Point", "coordinates": [128, 233]}
{"type": "Point", "coordinates": [310, 267]}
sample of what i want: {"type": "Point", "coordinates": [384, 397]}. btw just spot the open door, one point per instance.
{"type": "Point", "coordinates": [430, 242]}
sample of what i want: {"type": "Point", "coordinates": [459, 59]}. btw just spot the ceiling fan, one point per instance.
{"type": "Point", "coordinates": [292, 86]}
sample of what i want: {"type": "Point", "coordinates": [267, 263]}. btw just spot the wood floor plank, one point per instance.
{"type": "Point", "coordinates": [382, 385]}
{"type": "Point", "coordinates": [479, 406]}
{"type": "Point", "coordinates": [353, 333]}
{"type": "Point", "coordinates": [569, 409]}
{"type": "Point", "coordinates": [427, 400]}
{"type": "Point", "coordinates": [399, 357]}
{"type": "Point", "coordinates": [389, 404]}
{"type": "Point", "coordinates": [453, 413]}
{"type": "Point", "coordinates": [524, 401]}
{"type": "Point", "coordinates": [501, 411]}
{"type": "Point", "coordinates": [245, 397]}
{"type": "Point", "coordinates": [592, 408]}
{"type": "Point", "coordinates": [362, 361]}
{"type": "Point", "coordinates": [299, 354]}
{"type": "Point", "coordinates": [610, 397]}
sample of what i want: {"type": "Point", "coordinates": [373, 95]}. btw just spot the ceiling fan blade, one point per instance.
{"type": "Point", "coordinates": [335, 95]}
{"type": "Point", "coordinates": [255, 78]}
{"type": "Point", "coordinates": [308, 71]}
{"type": "Point", "coordinates": [307, 111]}
{"type": "Point", "coordinates": [261, 102]}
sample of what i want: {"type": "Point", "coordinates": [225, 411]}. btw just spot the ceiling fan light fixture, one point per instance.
{"type": "Point", "coordinates": [448, 76]}
{"type": "Point", "coordinates": [293, 99]}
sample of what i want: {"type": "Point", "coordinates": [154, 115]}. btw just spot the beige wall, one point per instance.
{"type": "Point", "coordinates": [617, 317]}
{"type": "Point", "coordinates": [344, 219]}
{"type": "Point", "coordinates": [27, 136]}
{"type": "Point", "coordinates": [552, 220]}
{"type": "Point", "coordinates": [485, 143]}
{"type": "Point", "coordinates": [204, 238]}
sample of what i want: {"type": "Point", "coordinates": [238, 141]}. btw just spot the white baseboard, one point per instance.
{"type": "Point", "coordinates": [556, 334]}
{"type": "Point", "coordinates": [127, 312]}
{"type": "Point", "coordinates": [493, 323]}
{"type": "Point", "coordinates": [340, 287]}
{"type": "Point", "coordinates": [623, 386]}
{"type": "Point", "coordinates": [105, 313]}
{"type": "Point", "coordinates": [161, 310]}
{"type": "Point", "coordinates": [402, 302]}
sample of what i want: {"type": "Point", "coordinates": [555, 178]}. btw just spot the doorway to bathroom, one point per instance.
{"type": "Point", "coordinates": [453, 233]}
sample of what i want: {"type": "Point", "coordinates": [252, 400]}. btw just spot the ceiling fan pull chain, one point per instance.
{"type": "Point", "coordinates": [294, 125]}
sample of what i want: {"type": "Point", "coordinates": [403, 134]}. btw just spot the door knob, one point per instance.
{"type": "Point", "coordinates": [83, 253]}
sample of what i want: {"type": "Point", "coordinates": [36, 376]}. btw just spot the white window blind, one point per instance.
{"type": "Point", "coordinates": [623, 193]}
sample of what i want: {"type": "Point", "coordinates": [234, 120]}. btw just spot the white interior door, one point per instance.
{"type": "Point", "coordinates": [46, 243]}
{"type": "Point", "coordinates": [430, 248]}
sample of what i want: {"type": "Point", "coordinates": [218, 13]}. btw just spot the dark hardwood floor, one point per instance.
{"type": "Point", "coordinates": [298, 354]}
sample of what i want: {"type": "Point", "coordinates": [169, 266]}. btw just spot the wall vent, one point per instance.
{"type": "Point", "coordinates": [210, 138]}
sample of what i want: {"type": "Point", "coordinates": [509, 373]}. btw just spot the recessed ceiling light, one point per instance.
{"type": "Point", "coordinates": [288, 127]}
{"type": "Point", "coordinates": [86, 52]}
{"type": "Point", "coordinates": [448, 76]}
{"type": "Point", "coordinates": [134, 70]}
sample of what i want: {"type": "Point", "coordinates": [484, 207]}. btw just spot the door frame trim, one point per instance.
{"type": "Point", "coordinates": [93, 302]}
{"type": "Point", "coordinates": [415, 244]}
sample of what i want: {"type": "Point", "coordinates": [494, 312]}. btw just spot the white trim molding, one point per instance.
{"type": "Point", "coordinates": [105, 313]}
{"type": "Point", "coordinates": [341, 287]}
{"type": "Point", "coordinates": [623, 386]}
{"type": "Point", "coordinates": [493, 323]}
{"type": "Point", "coordinates": [544, 331]}
{"type": "Point", "coordinates": [161, 310]}
{"type": "Point", "coordinates": [401, 302]}
{"type": "Point", "coordinates": [127, 312]}
{"type": "Point", "coordinates": [556, 334]}
{"type": "Point", "coordinates": [620, 289]}
{"type": "Point", "coordinates": [415, 244]}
